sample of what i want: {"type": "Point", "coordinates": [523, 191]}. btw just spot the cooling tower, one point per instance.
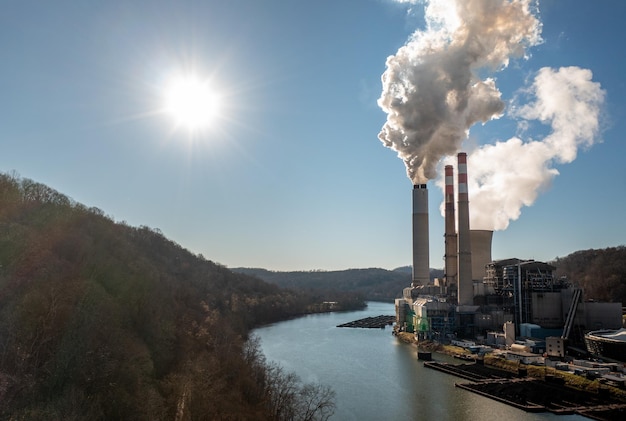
{"type": "Point", "coordinates": [450, 239]}
{"type": "Point", "coordinates": [481, 252]}
{"type": "Point", "coordinates": [465, 295]}
{"type": "Point", "coordinates": [421, 257]}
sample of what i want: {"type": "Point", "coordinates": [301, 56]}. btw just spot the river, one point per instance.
{"type": "Point", "coordinates": [375, 376]}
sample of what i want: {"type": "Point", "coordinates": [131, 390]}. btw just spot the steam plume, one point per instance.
{"type": "Point", "coordinates": [431, 91]}
{"type": "Point", "coordinates": [509, 175]}
{"type": "Point", "coordinates": [432, 95]}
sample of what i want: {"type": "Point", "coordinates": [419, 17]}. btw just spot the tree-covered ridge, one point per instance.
{"type": "Point", "coordinates": [375, 284]}
{"type": "Point", "coordinates": [100, 320]}
{"type": "Point", "coordinates": [600, 272]}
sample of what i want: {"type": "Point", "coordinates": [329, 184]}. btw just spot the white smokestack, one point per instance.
{"type": "Point", "coordinates": [431, 90]}
{"type": "Point", "coordinates": [421, 253]}
{"type": "Point", "coordinates": [465, 286]}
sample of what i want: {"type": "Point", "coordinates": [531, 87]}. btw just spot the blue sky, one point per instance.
{"type": "Point", "coordinates": [291, 175]}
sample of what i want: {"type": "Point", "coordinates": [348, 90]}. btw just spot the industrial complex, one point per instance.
{"type": "Point", "coordinates": [503, 303]}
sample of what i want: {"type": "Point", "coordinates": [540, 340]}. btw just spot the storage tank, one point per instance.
{"type": "Point", "coordinates": [519, 348]}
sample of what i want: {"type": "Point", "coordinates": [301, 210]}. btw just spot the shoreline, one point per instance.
{"type": "Point", "coordinates": [432, 346]}
{"type": "Point", "coordinates": [527, 393]}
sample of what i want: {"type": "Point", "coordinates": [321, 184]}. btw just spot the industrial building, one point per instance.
{"type": "Point", "coordinates": [478, 296]}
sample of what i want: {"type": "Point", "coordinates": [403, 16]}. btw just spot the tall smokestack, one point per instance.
{"type": "Point", "coordinates": [465, 294]}
{"type": "Point", "coordinates": [451, 265]}
{"type": "Point", "coordinates": [421, 254]}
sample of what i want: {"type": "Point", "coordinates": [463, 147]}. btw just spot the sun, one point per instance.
{"type": "Point", "coordinates": [192, 102]}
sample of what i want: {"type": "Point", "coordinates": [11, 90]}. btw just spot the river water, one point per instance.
{"type": "Point", "coordinates": [374, 376]}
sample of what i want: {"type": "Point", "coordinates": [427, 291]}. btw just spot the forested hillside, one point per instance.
{"type": "Point", "coordinates": [374, 284]}
{"type": "Point", "coordinates": [601, 273]}
{"type": "Point", "coordinates": [100, 320]}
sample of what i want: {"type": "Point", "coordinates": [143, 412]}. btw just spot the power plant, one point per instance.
{"type": "Point", "coordinates": [482, 299]}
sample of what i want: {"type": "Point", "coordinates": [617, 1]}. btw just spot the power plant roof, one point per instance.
{"type": "Point", "coordinates": [610, 335]}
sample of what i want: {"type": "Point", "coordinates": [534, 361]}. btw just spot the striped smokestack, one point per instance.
{"type": "Point", "coordinates": [450, 234]}
{"type": "Point", "coordinates": [421, 255]}
{"type": "Point", "coordinates": [465, 295]}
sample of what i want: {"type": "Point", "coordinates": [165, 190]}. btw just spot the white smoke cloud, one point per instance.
{"type": "Point", "coordinates": [431, 91]}
{"type": "Point", "coordinates": [506, 176]}
{"type": "Point", "coordinates": [432, 95]}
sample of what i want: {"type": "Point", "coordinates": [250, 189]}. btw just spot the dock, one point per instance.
{"type": "Point", "coordinates": [531, 394]}
{"type": "Point", "coordinates": [371, 322]}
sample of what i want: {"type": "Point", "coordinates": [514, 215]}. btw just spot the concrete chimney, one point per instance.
{"type": "Point", "coordinates": [450, 258]}
{"type": "Point", "coordinates": [421, 254]}
{"type": "Point", "coordinates": [465, 295]}
{"type": "Point", "coordinates": [481, 252]}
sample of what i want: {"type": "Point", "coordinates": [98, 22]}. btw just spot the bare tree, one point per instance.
{"type": "Point", "coordinates": [289, 400]}
{"type": "Point", "coordinates": [315, 402]}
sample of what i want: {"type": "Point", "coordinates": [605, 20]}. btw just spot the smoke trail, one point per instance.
{"type": "Point", "coordinates": [506, 176]}
{"type": "Point", "coordinates": [431, 91]}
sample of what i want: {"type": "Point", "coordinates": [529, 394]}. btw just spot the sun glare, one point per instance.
{"type": "Point", "coordinates": [192, 102]}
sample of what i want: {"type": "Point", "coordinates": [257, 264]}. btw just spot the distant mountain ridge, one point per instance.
{"type": "Point", "coordinates": [375, 284]}
{"type": "Point", "coordinates": [601, 272]}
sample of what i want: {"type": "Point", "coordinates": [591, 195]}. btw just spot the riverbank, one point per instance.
{"type": "Point", "coordinates": [431, 346]}
{"type": "Point", "coordinates": [529, 388]}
